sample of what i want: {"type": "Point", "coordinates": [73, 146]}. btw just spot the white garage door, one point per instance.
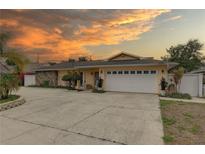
{"type": "Point", "coordinates": [132, 81]}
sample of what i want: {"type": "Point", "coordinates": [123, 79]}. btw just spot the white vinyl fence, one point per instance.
{"type": "Point", "coordinates": [191, 84]}
{"type": "Point", "coordinates": [204, 90]}
{"type": "Point", "coordinates": [29, 80]}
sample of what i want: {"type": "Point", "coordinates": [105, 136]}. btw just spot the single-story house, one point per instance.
{"type": "Point", "coordinates": [122, 72]}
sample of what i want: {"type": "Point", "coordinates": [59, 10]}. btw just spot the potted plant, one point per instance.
{"type": "Point", "coordinates": [163, 84]}
{"type": "Point", "coordinates": [178, 74]}
{"type": "Point", "coordinates": [100, 84]}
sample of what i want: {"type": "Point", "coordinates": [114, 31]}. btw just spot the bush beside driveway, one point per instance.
{"type": "Point", "coordinates": [59, 116]}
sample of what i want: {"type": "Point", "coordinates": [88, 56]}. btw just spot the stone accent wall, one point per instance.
{"type": "Point", "coordinates": [50, 76]}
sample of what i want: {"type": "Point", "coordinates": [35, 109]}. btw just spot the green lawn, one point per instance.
{"type": "Point", "coordinates": [10, 98]}
{"type": "Point", "coordinates": [184, 123]}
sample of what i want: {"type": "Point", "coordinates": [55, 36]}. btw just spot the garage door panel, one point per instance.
{"type": "Point", "coordinates": [132, 83]}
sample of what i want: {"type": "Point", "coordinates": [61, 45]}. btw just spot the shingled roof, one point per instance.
{"type": "Point", "coordinates": [103, 63]}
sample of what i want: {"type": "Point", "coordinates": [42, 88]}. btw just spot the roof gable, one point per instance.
{"type": "Point", "coordinates": [124, 56]}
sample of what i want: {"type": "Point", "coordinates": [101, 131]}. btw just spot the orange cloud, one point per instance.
{"type": "Point", "coordinates": [5, 22]}
{"type": "Point", "coordinates": [127, 26]}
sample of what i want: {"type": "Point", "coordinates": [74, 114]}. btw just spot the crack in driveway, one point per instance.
{"type": "Point", "coordinates": [91, 115]}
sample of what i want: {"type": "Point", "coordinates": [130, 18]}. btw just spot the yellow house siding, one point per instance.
{"type": "Point", "coordinates": [89, 76]}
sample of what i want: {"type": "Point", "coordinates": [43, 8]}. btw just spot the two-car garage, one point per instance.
{"type": "Point", "coordinates": [132, 81]}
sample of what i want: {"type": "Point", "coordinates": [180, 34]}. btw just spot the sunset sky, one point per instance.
{"type": "Point", "coordinates": [61, 34]}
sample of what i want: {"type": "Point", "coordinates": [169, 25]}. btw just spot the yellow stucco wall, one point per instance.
{"type": "Point", "coordinates": [89, 76]}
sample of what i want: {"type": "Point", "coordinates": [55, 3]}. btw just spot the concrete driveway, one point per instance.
{"type": "Point", "coordinates": [59, 116]}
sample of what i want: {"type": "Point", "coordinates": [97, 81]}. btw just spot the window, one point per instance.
{"type": "Point", "coordinates": [132, 72]}
{"type": "Point", "coordinates": [153, 72]}
{"type": "Point", "coordinates": [108, 72]}
{"type": "Point", "coordinates": [139, 72]}
{"type": "Point", "coordinates": [146, 72]}
{"type": "Point", "coordinates": [126, 72]}
{"type": "Point", "coordinates": [114, 72]}
{"type": "Point", "coordinates": [119, 72]}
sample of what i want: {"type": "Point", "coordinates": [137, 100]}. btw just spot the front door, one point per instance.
{"type": "Point", "coordinates": [96, 78]}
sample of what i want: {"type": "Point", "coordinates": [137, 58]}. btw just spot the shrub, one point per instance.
{"type": "Point", "coordinates": [71, 78]}
{"type": "Point", "coordinates": [100, 83]}
{"type": "Point", "coordinates": [179, 95]}
{"type": "Point", "coordinates": [8, 84]}
{"type": "Point", "coordinates": [163, 84]}
{"type": "Point", "coordinates": [67, 77]}
{"type": "Point", "coordinates": [46, 83]}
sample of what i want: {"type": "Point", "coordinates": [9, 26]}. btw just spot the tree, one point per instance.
{"type": "Point", "coordinates": [76, 76]}
{"type": "Point", "coordinates": [4, 37]}
{"type": "Point", "coordinates": [178, 74]}
{"type": "Point", "coordinates": [68, 78]}
{"type": "Point", "coordinates": [8, 84]}
{"type": "Point", "coordinates": [71, 77]}
{"type": "Point", "coordinates": [187, 55]}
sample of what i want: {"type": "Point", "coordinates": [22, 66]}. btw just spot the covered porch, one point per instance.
{"type": "Point", "coordinates": [88, 77]}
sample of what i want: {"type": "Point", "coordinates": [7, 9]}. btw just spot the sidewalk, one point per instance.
{"type": "Point", "coordinates": [193, 100]}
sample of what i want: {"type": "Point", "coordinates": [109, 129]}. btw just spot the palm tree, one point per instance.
{"type": "Point", "coordinates": [178, 74]}
{"type": "Point", "coordinates": [8, 83]}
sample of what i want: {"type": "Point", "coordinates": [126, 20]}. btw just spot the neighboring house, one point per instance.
{"type": "Point", "coordinates": [122, 72]}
